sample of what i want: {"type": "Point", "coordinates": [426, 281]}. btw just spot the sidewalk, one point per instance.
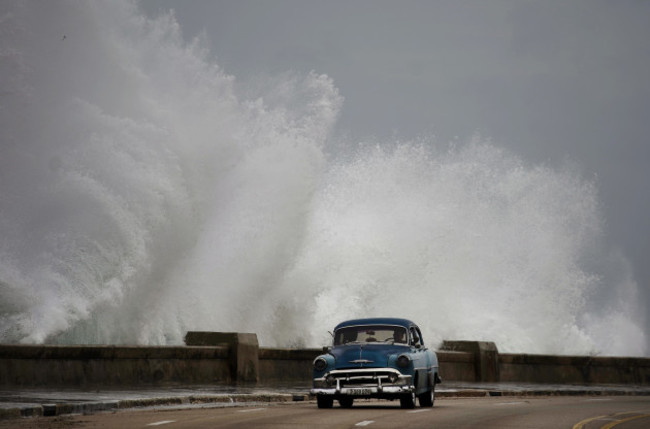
{"type": "Point", "coordinates": [54, 402]}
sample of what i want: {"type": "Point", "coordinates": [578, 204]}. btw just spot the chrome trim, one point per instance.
{"type": "Point", "coordinates": [379, 378]}
{"type": "Point", "coordinates": [363, 371]}
{"type": "Point", "coordinates": [374, 390]}
{"type": "Point", "coordinates": [362, 361]}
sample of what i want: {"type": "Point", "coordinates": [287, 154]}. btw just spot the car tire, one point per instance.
{"type": "Point", "coordinates": [346, 402]}
{"type": "Point", "coordinates": [426, 399]}
{"type": "Point", "coordinates": [324, 401]}
{"type": "Point", "coordinates": [408, 400]}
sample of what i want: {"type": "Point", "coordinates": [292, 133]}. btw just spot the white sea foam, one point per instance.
{"type": "Point", "coordinates": [141, 196]}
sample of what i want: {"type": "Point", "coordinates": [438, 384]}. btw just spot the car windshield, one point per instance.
{"type": "Point", "coordinates": [370, 334]}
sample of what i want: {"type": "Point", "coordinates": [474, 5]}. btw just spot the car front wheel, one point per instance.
{"type": "Point", "coordinates": [408, 400]}
{"type": "Point", "coordinates": [346, 402]}
{"type": "Point", "coordinates": [426, 399]}
{"type": "Point", "coordinates": [324, 401]}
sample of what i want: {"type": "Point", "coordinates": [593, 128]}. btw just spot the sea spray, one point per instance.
{"type": "Point", "coordinates": [142, 195]}
{"type": "Point", "coordinates": [472, 241]}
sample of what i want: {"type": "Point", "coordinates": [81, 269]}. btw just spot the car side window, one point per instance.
{"type": "Point", "coordinates": [419, 335]}
{"type": "Point", "coordinates": [415, 338]}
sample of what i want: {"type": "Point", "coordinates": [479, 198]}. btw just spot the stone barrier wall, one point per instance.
{"type": "Point", "coordinates": [287, 365]}
{"type": "Point", "coordinates": [485, 359]}
{"type": "Point", "coordinates": [86, 366]}
{"type": "Point", "coordinates": [457, 366]}
{"type": "Point", "coordinates": [243, 357]}
{"type": "Point", "coordinates": [574, 369]}
{"type": "Point", "coordinates": [234, 358]}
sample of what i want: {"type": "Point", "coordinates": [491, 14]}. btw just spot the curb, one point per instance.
{"type": "Point", "coordinates": [54, 409]}
{"type": "Point", "coordinates": [481, 393]}
{"type": "Point", "coordinates": [51, 410]}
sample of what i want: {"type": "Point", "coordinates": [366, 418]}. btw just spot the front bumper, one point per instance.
{"type": "Point", "coordinates": [364, 382]}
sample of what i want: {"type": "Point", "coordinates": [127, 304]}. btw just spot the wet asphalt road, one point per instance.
{"type": "Point", "coordinates": [457, 405]}
{"type": "Point", "coordinates": [579, 412]}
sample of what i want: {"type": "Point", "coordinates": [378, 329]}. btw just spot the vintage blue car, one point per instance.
{"type": "Point", "coordinates": [376, 358]}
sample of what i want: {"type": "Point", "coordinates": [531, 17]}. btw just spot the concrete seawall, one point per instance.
{"type": "Point", "coordinates": [46, 365]}
{"type": "Point", "coordinates": [234, 358]}
{"type": "Point", "coordinates": [574, 369]}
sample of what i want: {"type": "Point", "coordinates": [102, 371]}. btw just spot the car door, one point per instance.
{"type": "Point", "coordinates": [420, 360]}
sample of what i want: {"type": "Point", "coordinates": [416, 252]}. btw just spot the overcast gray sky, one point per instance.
{"type": "Point", "coordinates": [553, 81]}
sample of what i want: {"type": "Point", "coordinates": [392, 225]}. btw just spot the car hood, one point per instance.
{"type": "Point", "coordinates": [365, 355]}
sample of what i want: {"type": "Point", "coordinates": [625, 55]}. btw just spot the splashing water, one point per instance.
{"type": "Point", "coordinates": [142, 196]}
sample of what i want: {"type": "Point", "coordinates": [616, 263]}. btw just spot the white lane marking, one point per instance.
{"type": "Point", "coordinates": [163, 422]}
{"type": "Point", "coordinates": [510, 403]}
{"type": "Point", "coordinates": [597, 399]}
{"type": "Point", "coordinates": [252, 410]}
{"type": "Point", "coordinates": [418, 411]}
{"type": "Point", "coordinates": [365, 423]}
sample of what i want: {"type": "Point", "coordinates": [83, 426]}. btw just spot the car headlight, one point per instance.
{"type": "Point", "coordinates": [320, 364]}
{"type": "Point", "coordinates": [403, 361]}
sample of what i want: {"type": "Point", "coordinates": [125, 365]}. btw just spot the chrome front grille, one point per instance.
{"type": "Point", "coordinates": [364, 376]}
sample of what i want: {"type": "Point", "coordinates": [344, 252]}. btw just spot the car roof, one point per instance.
{"type": "Point", "coordinates": [376, 321]}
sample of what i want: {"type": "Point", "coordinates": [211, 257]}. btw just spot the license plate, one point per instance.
{"type": "Point", "coordinates": [359, 392]}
